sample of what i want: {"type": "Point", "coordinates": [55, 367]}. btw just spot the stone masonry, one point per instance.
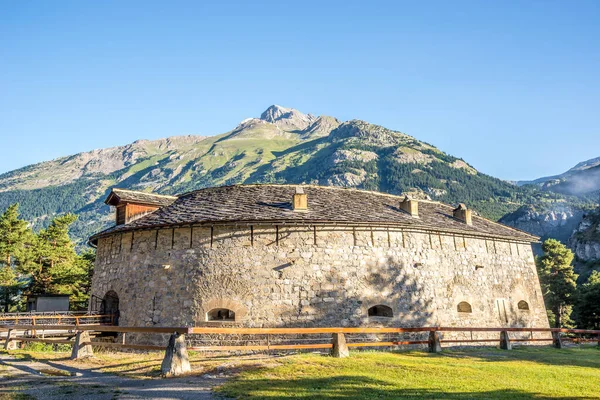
{"type": "Point", "coordinates": [274, 276]}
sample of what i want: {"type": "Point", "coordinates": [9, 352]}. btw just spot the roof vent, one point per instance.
{"type": "Point", "coordinates": [411, 206]}
{"type": "Point", "coordinates": [300, 200]}
{"type": "Point", "coordinates": [463, 214]}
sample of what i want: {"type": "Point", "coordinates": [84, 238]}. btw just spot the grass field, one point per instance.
{"type": "Point", "coordinates": [478, 373]}
{"type": "Point", "coordinates": [523, 373]}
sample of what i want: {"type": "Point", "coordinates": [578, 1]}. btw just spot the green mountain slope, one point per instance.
{"type": "Point", "coordinates": [283, 145]}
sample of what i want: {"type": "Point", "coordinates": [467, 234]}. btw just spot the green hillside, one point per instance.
{"type": "Point", "coordinates": [283, 146]}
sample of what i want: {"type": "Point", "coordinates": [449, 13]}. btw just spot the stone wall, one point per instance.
{"type": "Point", "coordinates": [274, 276]}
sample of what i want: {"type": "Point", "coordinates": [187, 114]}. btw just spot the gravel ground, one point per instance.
{"type": "Point", "coordinates": [52, 380]}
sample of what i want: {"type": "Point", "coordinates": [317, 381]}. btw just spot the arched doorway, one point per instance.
{"type": "Point", "coordinates": [110, 306]}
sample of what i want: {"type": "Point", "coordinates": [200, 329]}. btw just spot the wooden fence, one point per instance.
{"type": "Point", "coordinates": [176, 350]}
{"type": "Point", "coordinates": [70, 318]}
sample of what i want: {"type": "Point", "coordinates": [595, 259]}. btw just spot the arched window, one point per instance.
{"type": "Point", "coordinates": [220, 314]}
{"type": "Point", "coordinates": [523, 305]}
{"type": "Point", "coordinates": [464, 307]}
{"type": "Point", "coordinates": [380, 311]}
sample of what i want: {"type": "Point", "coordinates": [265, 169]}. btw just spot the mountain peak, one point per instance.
{"type": "Point", "coordinates": [287, 118]}
{"type": "Point", "coordinates": [276, 112]}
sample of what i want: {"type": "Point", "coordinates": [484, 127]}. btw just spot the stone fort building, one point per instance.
{"type": "Point", "coordinates": [284, 255]}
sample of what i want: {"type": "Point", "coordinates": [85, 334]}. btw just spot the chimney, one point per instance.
{"type": "Point", "coordinates": [300, 200]}
{"type": "Point", "coordinates": [410, 206]}
{"type": "Point", "coordinates": [462, 213]}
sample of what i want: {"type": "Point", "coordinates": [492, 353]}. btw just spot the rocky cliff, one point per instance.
{"type": "Point", "coordinates": [547, 220]}
{"type": "Point", "coordinates": [585, 241]}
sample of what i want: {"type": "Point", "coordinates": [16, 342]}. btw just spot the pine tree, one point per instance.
{"type": "Point", "coordinates": [558, 279]}
{"type": "Point", "coordinates": [83, 283]}
{"type": "Point", "coordinates": [14, 233]}
{"type": "Point", "coordinates": [588, 303]}
{"type": "Point", "coordinates": [15, 238]}
{"type": "Point", "coordinates": [55, 267]}
{"type": "Point", "coordinates": [9, 286]}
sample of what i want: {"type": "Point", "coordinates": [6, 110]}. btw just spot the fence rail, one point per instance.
{"type": "Point", "coordinates": [39, 319]}
{"type": "Point", "coordinates": [336, 342]}
{"type": "Point", "coordinates": [37, 313]}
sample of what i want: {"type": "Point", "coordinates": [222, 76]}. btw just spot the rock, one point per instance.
{"type": "Point", "coordinates": [81, 347]}
{"type": "Point", "coordinates": [287, 118]}
{"type": "Point", "coordinates": [558, 220]}
{"type": "Point", "coordinates": [352, 155]}
{"type": "Point", "coordinates": [585, 241]}
{"type": "Point", "coordinates": [176, 361]}
{"type": "Point", "coordinates": [340, 348]}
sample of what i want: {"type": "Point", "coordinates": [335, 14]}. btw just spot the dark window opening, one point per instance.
{"type": "Point", "coordinates": [523, 305]}
{"type": "Point", "coordinates": [220, 314]}
{"type": "Point", "coordinates": [110, 307]}
{"type": "Point", "coordinates": [380, 311]}
{"type": "Point", "coordinates": [464, 307]}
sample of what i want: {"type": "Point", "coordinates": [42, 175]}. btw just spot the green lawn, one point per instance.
{"type": "Point", "coordinates": [523, 373]}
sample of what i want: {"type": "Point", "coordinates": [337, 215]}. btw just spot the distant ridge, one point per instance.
{"type": "Point", "coordinates": [283, 145]}
{"type": "Point", "coordinates": [582, 179]}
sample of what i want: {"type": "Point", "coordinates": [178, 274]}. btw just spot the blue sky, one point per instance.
{"type": "Point", "coordinates": [511, 87]}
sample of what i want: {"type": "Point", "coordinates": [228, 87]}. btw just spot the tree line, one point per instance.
{"type": "Point", "coordinates": [39, 263]}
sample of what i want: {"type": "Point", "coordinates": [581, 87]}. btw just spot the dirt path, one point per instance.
{"type": "Point", "coordinates": [34, 379]}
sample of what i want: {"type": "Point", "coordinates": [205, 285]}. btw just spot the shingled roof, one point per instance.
{"type": "Point", "coordinates": [272, 204]}
{"type": "Point", "coordinates": [129, 196]}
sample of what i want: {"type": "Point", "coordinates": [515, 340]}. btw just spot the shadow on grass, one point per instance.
{"type": "Point", "coordinates": [586, 357]}
{"type": "Point", "coordinates": [359, 387]}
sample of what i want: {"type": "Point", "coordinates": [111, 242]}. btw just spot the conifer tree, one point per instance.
{"type": "Point", "coordinates": [588, 303]}
{"type": "Point", "coordinates": [14, 233]}
{"type": "Point", "coordinates": [55, 267]}
{"type": "Point", "coordinates": [558, 279]}
{"type": "Point", "coordinates": [15, 240]}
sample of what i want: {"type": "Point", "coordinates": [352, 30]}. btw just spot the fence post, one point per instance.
{"type": "Point", "coordinates": [176, 361]}
{"type": "Point", "coordinates": [556, 340]}
{"type": "Point", "coordinates": [82, 347]}
{"type": "Point", "coordinates": [9, 344]}
{"type": "Point", "coordinates": [599, 340]}
{"type": "Point", "coordinates": [340, 348]}
{"type": "Point", "coordinates": [434, 342]}
{"type": "Point", "coordinates": [505, 341]}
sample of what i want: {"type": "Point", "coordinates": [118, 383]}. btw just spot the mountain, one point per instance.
{"type": "Point", "coordinates": [555, 220]}
{"type": "Point", "coordinates": [283, 145]}
{"type": "Point", "coordinates": [563, 220]}
{"type": "Point", "coordinates": [585, 240]}
{"type": "Point", "coordinates": [582, 179]}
